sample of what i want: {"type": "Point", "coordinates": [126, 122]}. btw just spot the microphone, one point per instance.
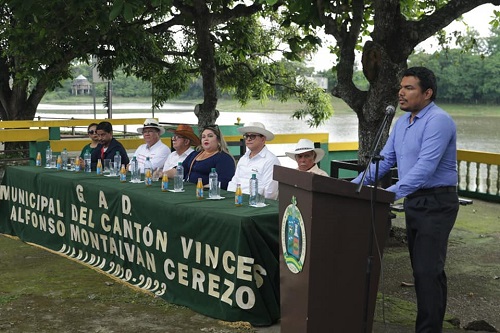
{"type": "Point", "coordinates": [390, 110]}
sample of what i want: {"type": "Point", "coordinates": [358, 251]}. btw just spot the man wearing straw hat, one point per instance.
{"type": "Point", "coordinates": [307, 156]}
{"type": "Point", "coordinates": [182, 140]}
{"type": "Point", "coordinates": [257, 160]}
{"type": "Point", "coordinates": [153, 147]}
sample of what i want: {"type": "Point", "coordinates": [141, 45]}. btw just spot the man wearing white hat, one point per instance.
{"type": "Point", "coordinates": [153, 147]}
{"type": "Point", "coordinates": [257, 160]}
{"type": "Point", "coordinates": [307, 156]}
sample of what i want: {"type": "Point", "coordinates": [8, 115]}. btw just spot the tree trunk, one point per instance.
{"type": "Point", "coordinates": [206, 112]}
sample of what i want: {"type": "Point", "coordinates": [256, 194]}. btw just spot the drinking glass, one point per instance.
{"type": "Point", "coordinates": [107, 166]}
{"type": "Point", "coordinates": [156, 175]}
{"type": "Point", "coordinates": [53, 161]}
{"type": "Point", "coordinates": [115, 168]}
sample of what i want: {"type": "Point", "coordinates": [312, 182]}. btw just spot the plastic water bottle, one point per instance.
{"type": "Point", "coordinates": [199, 189]}
{"type": "Point", "coordinates": [64, 156]}
{"type": "Point", "coordinates": [87, 161]}
{"type": "Point", "coordinates": [134, 170]}
{"type": "Point", "coordinates": [179, 178]}
{"type": "Point", "coordinates": [213, 184]}
{"type": "Point", "coordinates": [123, 174]}
{"type": "Point", "coordinates": [148, 172]}
{"type": "Point", "coordinates": [117, 162]}
{"type": "Point", "coordinates": [238, 196]}
{"type": "Point", "coordinates": [98, 168]}
{"type": "Point", "coordinates": [59, 163]}
{"type": "Point", "coordinates": [38, 161]}
{"type": "Point", "coordinates": [48, 156]}
{"type": "Point", "coordinates": [164, 182]}
{"type": "Point", "coordinates": [254, 190]}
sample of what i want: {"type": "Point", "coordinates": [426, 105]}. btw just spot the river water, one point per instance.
{"type": "Point", "coordinates": [474, 133]}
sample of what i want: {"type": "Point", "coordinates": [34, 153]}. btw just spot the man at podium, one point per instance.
{"type": "Point", "coordinates": [423, 144]}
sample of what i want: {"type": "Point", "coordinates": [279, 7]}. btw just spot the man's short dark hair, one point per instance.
{"type": "Point", "coordinates": [426, 77]}
{"type": "Point", "coordinates": [105, 126]}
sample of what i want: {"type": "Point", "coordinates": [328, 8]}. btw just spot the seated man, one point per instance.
{"type": "Point", "coordinates": [257, 159]}
{"type": "Point", "coordinates": [108, 146]}
{"type": "Point", "coordinates": [153, 147]}
{"type": "Point", "coordinates": [182, 140]}
{"type": "Point", "coordinates": [307, 156]}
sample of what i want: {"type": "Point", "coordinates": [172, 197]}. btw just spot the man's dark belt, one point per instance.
{"type": "Point", "coordinates": [434, 190]}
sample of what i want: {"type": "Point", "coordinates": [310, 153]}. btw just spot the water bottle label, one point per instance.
{"type": "Point", "coordinates": [164, 186]}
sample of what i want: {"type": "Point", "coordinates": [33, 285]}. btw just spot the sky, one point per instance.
{"type": "Point", "coordinates": [478, 18]}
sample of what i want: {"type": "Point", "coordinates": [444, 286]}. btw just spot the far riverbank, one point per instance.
{"type": "Point", "coordinates": [476, 124]}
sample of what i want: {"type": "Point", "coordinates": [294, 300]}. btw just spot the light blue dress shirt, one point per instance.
{"type": "Point", "coordinates": [425, 152]}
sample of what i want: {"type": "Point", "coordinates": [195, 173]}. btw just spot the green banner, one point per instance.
{"type": "Point", "coordinates": [217, 259]}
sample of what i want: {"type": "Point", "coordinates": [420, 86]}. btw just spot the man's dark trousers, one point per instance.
{"type": "Point", "coordinates": [430, 217]}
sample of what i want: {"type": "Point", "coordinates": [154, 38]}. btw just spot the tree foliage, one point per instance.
{"type": "Point", "coordinates": [39, 41]}
{"type": "Point", "coordinates": [233, 47]}
{"type": "Point", "coordinates": [387, 31]}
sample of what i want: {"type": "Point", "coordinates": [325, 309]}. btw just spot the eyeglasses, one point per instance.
{"type": "Point", "coordinates": [91, 132]}
{"type": "Point", "coordinates": [251, 136]}
{"type": "Point", "coordinates": [176, 136]}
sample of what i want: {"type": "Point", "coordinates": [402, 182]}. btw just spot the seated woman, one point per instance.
{"type": "Point", "coordinates": [211, 153]}
{"type": "Point", "coordinates": [307, 156]}
{"type": "Point", "coordinates": [92, 133]}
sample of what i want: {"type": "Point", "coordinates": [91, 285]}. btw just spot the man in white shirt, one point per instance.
{"type": "Point", "coordinates": [257, 160]}
{"type": "Point", "coordinates": [182, 140]}
{"type": "Point", "coordinates": [153, 147]}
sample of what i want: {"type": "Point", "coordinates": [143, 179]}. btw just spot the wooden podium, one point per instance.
{"type": "Point", "coordinates": [329, 252]}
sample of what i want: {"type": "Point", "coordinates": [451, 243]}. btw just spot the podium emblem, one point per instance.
{"type": "Point", "coordinates": [293, 237]}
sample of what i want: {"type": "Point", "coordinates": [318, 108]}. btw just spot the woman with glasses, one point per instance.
{"type": "Point", "coordinates": [257, 160]}
{"type": "Point", "coordinates": [92, 133]}
{"type": "Point", "coordinates": [211, 153]}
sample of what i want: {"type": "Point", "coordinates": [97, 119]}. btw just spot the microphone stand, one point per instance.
{"type": "Point", "coordinates": [374, 150]}
{"type": "Point", "coordinates": [374, 157]}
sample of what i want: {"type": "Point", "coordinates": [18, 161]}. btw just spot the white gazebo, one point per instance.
{"type": "Point", "coordinates": [81, 86]}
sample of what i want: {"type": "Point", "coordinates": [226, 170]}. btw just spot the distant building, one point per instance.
{"type": "Point", "coordinates": [322, 82]}
{"type": "Point", "coordinates": [81, 86]}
